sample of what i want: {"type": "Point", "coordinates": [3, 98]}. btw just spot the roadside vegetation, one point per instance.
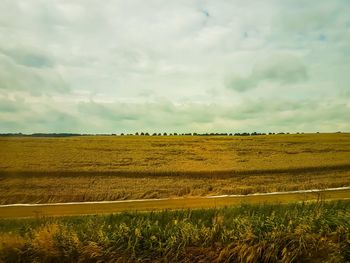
{"type": "Point", "coordinates": [304, 232]}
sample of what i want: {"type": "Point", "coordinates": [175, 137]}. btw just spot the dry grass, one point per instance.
{"type": "Point", "coordinates": [316, 232]}
{"type": "Point", "coordinates": [44, 170]}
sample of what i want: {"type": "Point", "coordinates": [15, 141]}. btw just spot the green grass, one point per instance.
{"type": "Point", "coordinates": [304, 232]}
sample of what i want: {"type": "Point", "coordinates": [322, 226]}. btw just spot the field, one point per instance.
{"type": "Point", "coordinates": [184, 221]}
{"type": "Point", "coordinates": [130, 155]}
{"type": "Point", "coordinates": [314, 232]}
{"type": "Point", "coordinates": [41, 170]}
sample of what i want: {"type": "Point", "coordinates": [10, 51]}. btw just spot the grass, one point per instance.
{"type": "Point", "coordinates": [41, 170]}
{"type": "Point", "coordinates": [305, 232]}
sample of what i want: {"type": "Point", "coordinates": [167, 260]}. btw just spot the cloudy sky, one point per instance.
{"type": "Point", "coordinates": [115, 66]}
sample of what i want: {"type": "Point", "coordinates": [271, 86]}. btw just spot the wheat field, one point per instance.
{"type": "Point", "coordinates": [40, 170]}
{"type": "Point", "coordinates": [174, 154]}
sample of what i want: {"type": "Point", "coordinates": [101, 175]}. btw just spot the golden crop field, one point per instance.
{"type": "Point", "coordinates": [171, 154]}
{"type": "Point", "coordinates": [132, 167]}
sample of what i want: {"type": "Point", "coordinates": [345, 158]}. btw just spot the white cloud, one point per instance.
{"type": "Point", "coordinates": [179, 53]}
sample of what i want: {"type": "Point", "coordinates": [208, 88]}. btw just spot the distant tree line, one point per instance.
{"type": "Point", "coordinates": [51, 134]}
{"type": "Point", "coordinates": [203, 134]}
{"type": "Point", "coordinates": [42, 134]}
{"type": "Point", "coordinates": [144, 134]}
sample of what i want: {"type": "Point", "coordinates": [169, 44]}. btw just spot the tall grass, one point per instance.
{"type": "Point", "coordinates": [308, 232]}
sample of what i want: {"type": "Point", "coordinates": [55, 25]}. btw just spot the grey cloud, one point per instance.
{"type": "Point", "coordinates": [101, 117]}
{"type": "Point", "coordinates": [155, 113]}
{"type": "Point", "coordinates": [282, 69]}
{"type": "Point", "coordinates": [251, 115]}
{"type": "Point", "coordinates": [303, 17]}
{"type": "Point", "coordinates": [20, 115]}
{"type": "Point", "coordinates": [54, 120]}
{"type": "Point", "coordinates": [164, 70]}
{"type": "Point", "coordinates": [317, 117]}
{"type": "Point", "coordinates": [156, 116]}
{"type": "Point", "coordinates": [28, 58]}
{"type": "Point", "coordinates": [36, 81]}
{"type": "Point", "coordinates": [12, 106]}
{"type": "Point", "coordinates": [110, 111]}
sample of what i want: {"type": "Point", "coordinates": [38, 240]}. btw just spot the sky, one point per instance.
{"type": "Point", "coordinates": [90, 66]}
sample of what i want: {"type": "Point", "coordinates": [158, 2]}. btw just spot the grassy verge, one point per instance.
{"type": "Point", "coordinates": [152, 205]}
{"type": "Point", "coordinates": [304, 232]}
